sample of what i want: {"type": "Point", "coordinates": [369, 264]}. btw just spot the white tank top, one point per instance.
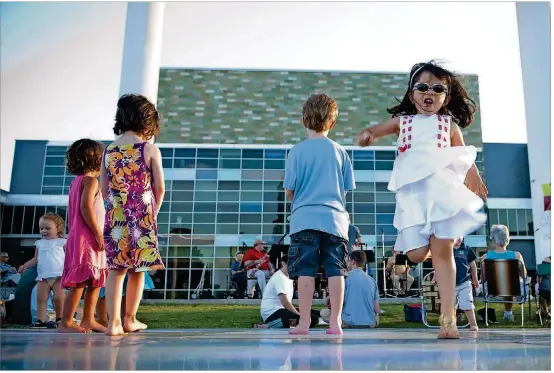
{"type": "Point", "coordinates": [51, 257]}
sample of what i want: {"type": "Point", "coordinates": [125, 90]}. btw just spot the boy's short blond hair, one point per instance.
{"type": "Point", "coordinates": [319, 112]}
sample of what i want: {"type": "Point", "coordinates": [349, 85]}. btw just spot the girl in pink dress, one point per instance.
{"type": "Point", "coordinates": [85, 260]}
{"type": "Point", "coordinates": [133, 184]}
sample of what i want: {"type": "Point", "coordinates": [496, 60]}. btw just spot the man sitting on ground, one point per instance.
{"type": "Point", "coordinates": [361, 295]}
{"type": "Point", "coordinates": [276, 308]}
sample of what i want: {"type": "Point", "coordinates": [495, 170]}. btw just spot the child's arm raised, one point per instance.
{"type": "Point", "coordinates": [90, 188]}
{"type": "Point", "coordinates": [473, 180]}
{"type": "Point", "coordinates": [158, 182]}
{"type": "Point", "coordinates": [368, 135]}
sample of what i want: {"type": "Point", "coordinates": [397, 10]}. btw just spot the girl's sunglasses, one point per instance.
{"type": "Point", "coordinates": [424, 88]}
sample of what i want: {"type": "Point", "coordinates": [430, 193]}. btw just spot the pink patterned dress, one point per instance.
{"type": "Point", "coordinates": [83, 264]}
{"type": "Point", "coordinates": [130, 230]}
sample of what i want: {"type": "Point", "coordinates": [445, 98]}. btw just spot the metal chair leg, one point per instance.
{"type": "Point", "coordinates": [486, 314]}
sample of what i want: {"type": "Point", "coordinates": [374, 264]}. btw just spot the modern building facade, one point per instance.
{"type": "Point", "coordinates": [224, 143]}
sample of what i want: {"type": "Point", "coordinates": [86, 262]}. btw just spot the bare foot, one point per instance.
{"type": "Point", "coordinates": [131, 324]}
{"type": "Point", "coordinates": [334, 330]}
{"type": "Point", "coordinates": [474, 328]}
{"type": "Point", "coordinates": [103, 322]}
{"type": "Point", "coordinates": [115, 329]}
{"type": "Point", "coordinates": [448, 330]}
{"type": "Point", "coordinates": [71, 328]}
{"type": "Point", "coordinates": [94, 326]}
{"type": "Point", "coordinates": [300, 330]}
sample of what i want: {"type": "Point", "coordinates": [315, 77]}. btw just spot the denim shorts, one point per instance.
{"type": "Point", "coordinates": [309, 248]}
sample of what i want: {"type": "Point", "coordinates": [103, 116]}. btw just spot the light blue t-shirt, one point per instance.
{"type": "Point", "coordinates": [360, 294]}
{"type": "Point", "coordinates": [319, 171]}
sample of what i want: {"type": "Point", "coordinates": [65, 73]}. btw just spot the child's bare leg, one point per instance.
{"type": "Point", "coordinates": [470, 314]}
{"type": "Point", "coordinates": [336, 296]}
{"type": "Point", "coordinates": [135, 287]}
{"type": "Point", "coordinates": [445, 275]}
{"type": "Point", "coordinates": [114, 289]}
{"type": "Point", "coordinates": [69, 307]}
{"type": "Point", "coordinates": [306, 287]}
{"type": "Point", "coordinates": [102, 312]}
{"type": "Point", "coordinates": [88, 321]}
{"type": "Point", "coordinates": [59, 297]}
{"type": "Point", "coordinates": [43, 292]}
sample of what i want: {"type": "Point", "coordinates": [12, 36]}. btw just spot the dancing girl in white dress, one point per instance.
{"type": "Point", "coordinates": [433, 206]}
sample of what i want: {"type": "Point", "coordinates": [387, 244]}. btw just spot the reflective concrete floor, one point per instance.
{"type": "Point", "coordinates": [254, 349]}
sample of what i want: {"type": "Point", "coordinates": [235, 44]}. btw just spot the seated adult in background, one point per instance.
{"type": "Point", "coordinates": [398, 273]}
{"type": "Point", "coordinates": [543, 284]}
{"type": "Point", "coordinates": [500, 236]}
{"type": "Point", "coordinates": [354, 237]}
{"type": "Point", "coordinates": [7, 272]}
{"type": "Point", "coordinates": [276, 307]}
{"type": "Point", "coordinates": [257, 264]}
{"type": "Point", "coordinates": [361, 295]}
{"type": "Point", "coordinates": [238, 274]}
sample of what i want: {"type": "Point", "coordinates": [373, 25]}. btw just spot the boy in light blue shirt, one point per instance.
{"type": "Point", "coordinates": [318, 174]}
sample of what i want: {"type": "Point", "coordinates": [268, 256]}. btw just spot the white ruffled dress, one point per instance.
{"type": "Point", "coordinates": [428, 178]}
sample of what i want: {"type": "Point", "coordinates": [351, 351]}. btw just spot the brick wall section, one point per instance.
{"type": "Point", "coordinates": [265, 107]}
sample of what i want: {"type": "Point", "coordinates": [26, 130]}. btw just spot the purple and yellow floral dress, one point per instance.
{"type": "Point", "coordinates": [130, 231]}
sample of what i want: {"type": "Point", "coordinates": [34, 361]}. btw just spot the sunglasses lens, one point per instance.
{"type": "Point", "coordinates": [421, 87]}
{"type": "Point", "coordinates": [439, 88]}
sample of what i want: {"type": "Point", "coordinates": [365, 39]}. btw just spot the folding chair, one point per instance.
{"type": "Point", "coordinates": [543, 274]}
{"type": "Point", "coordinates": [430, 303]}
{"type": "Point", "coordinates": [502, 279]}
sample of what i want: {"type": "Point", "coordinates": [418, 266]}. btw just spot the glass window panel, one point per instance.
{"type": "Point", "coordinates": [68, 180]}
{"type": "Point", "coordinates": [206, 174]}
{"type": "Point", "coordinates": [252, 153]}
{"type": "Point", "coordinates": [178, 276]}
{"type": "Point", "coordinates": [274, 164]}
{"type": "Point", "coordinates": [66, 190]}
{"type": "Point", "coordinates": [349, 196]}
{"type": "Point", "coordinates": [224, 263]}
{"type": "Point", "coordinates": [178, 252]}
{"type": "Point", "coordinates": [274, 175]}
{"type": "Point", "coordinates": [181, 196]}
{"type": "Point", "coordinates": [479, 157]}
{"type": "Point", "coordinates": [203, 228]}
{"type": "Point", "coordinates": [208, 153]}
{"type": "Point", "coordinates": [364, 208]}
{"type": "Point", "coordinates": [273, 218]}
{"type": "Point", "coordinates": [364, 154]}
{"type": "Point", "coordinates": [163, 217]}
{"type": "Point", "coordinates": [51, 209]}
{"type": "Point", "coordinates": [273, 207]}
{"type": "Point", "coordinates": [52, 190]}
{"type": "Point", "coordinates": [28, 218]}
{"type": "Point", "coordinates": [165, 207]}
{"type": "Point", "coordinates": [55, 161]}
{"type": "Point", "coordinates": [17, 221]}
{"type": "Point", "coordinates": [227, 218]}
{"type": "Point", "coordinates": [277, 229]}
{"type": "Point", "coordinates": [364, 165]}
{"type": "Point", "coordinates": [250, 229]}
{"type": "Point", "coordinates": [385, 197]}
{"type": "Point", "coordinates": [230, 153]}
{"type": "Point", "coordinates": [382, 187]}
{"type": "Point", "coordinates": [349, 152]}
{"type": "Point", "coordinates": [185, 153]}
{"type": "Point", "coordinates": [384, 165]}
{"type": "Point", "coordinates": [366, 229]}
{"type": "Point", "coordinates": [493, 217]}
{"type": "Point", "coordinates": [184, 163]}
{"type": "Point", "coordinates": [167, 163]}
{"type": "Point", "coordinates": [252, 174]}
{"type": "Point", "coordinates": [179, 235]}
{"type": "Point", "coordinates": [387, 155]}
{"type": "Point", "coordinates": [181, 217]}
{"type": "Point", "coordinates": [56, 150]}
{"type": "Point", "coordinates": [163, 229]}
{"type": "Point", "coordinates": [203, 252]}
{"type": "Point", "coordinates": [227, 228]}
{"type": "Point", "coordinates": [205, 196]}
{"type": "Point", "coordinates": [203, 218]}
{"type": "Point", "coordinates": [228, 196]}
{"type": "Point", "coordinates": [229, 185]}
{"type": "Point", "coordinates": [273, 186]}
{"type": "Point", "coordinates": [349, 208]}
{"type": "Point", "coordinates": [363, 219]}
{"type": "Point", "coordinates": [206, 163]}
{"type": "Point", "coordinates": [388, 229]}
{"type": "Point", "coordinates": [521, 223]}
{"type": "Point", "coordinates": [227, 207]}
{"type": "Point", "coordinates": [62, 211]}
{"type": "Point", "coordinates": [364, 187]}
{"type": "Point", "coordinates": [166, 152]}
{"type": "Point", "coordinates": [250, 207]}
{"type": "Point", "coordinates": [39, 211]}
{"type": "Point", "coordinates": [512, 222]}
{"type": "Point", "coordinates": [274, 196]}
{"type": "Point", "coordinates": [52, 181]}
{"type": "Point", "coordinates": [364, 197]}
{"type": "Point", "coordinates": [168, 185]}
{"type": "Point", "coordinates": [183, 185]}
{"type": "Point", "coordinates": [250, 218]}
{"type": "Point", "coordinates": [54, 171]}
{"type": "Point", "coordinates": [530, 225]}
{"type": "Point", "coordinates": [251, 196]}
{"type": "Point", "coordinates": [503, 216]}
{"type": "Point", "coordinates": [181, 206]}
{"type": "Point", "coordinates": [225, 251]}
{"type": "Point", "coordinates": [252, 164]}
{"type": "Point", "coordinates": [177, 294]}
{"type": "Point", "coordinates": [230, 163]}
{"type": "Point", "coordinates": [385, 218]}
{"type": "Point", "coordinates": [204, 207]}
{"type": "Point", "coordinates": [251, 185]}
{"type": "Point", "coordinates": [274, 153]}
{"type": "Point", "coordinates": [7, 219]}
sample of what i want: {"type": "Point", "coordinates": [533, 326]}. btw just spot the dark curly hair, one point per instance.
{"type": "Point", "coordinates": [84, 156]}
{"type": "Point", "coordinates": [457, 104]}
{"type": "Point", "coordinates": [136, 113]}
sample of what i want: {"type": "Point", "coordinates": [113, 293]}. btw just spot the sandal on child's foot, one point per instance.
{"type": "Point", "coordinates": [51, 324]}
{"type": "Point", "coordinates": [38, 324]}
{"type": "Point", "coordinates": [448, 329]}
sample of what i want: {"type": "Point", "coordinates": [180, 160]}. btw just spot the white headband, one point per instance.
{"type": "Point", "coordinates": [415, 73]}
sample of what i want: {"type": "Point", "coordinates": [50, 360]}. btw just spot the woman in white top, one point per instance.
{"type": "Point", "coordinates": [49, 259]}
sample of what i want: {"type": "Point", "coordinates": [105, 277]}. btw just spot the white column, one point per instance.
{"type": "Point", "coordinates": [153, 51]}
{"type": "Point", "coordinates": [533, 20]}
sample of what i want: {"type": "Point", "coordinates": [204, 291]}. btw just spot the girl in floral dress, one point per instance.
{"type": "Point", "coordinates": [132, 182]}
